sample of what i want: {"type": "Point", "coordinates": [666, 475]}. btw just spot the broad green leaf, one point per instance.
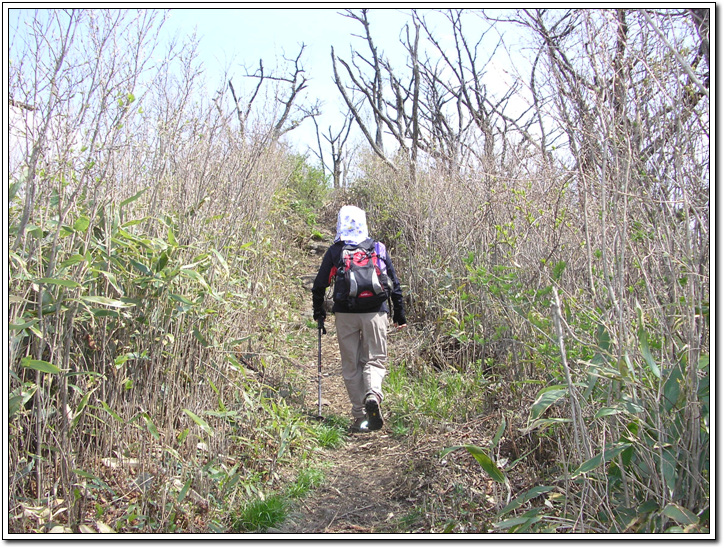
{"type": "Point", "coordinates": [95, 479]}
{"type": "Point", "coordinates": [184, 491]}
{"type": "Point", "coordinates": [40, 365]}
{"type": "Point", "coordinates": [606, 412]}
{"type": "Point", "coordinates": [14, 186]}
{"type": "Point", "coordinates": [111, 280]}
{"type": "Point", "coordinates": [669, 468]}
{"type": "Point", "coordinates": [672, 389]}
{"type": "Point", "coordinates": [604, 339]}
{"type": "Point", "coordinates": [14, 405]}
{"type": "Point", "coordinates": [72, 260]}
{"type": "Point", "coordinates": [182, 436]}
{"type": "Point", "coordinates": [111, 412]}
{"type": "Point", "coordinates": [104, 313]}
{"type": "Point", "coordinates": [106, 301]}
{"type": "Point", "coordinates": [34, 231]}
{"type": "Point", "coordinates": [484, 460]}
{"type": "Point", "coordinates": [19, 397]}
{"type": "Point", "coordinates": [221, 260]}
{"type": "Point", "coordinates": [133, 198]}
{"type": "Point", "coordinates": [201, 422]}
{"type": "Point", "coordinates": [236, 366]}
{"type": "Point", "coordinates": [625, 367]}
{"type": "Point", "coordinates": [609, 453]}
{"type": "Point", "coordinates": [79, 412]}
{"type": "Point", "coordinates": [194, 276]}
{"type": "Point", "coordinates": [20, 326]}
{"type": "Point", "coordinates": [179, 298]}
{"type": "Point", "coordinates": [679, 514]}
{"type": "Point", "coordinates": [525, 497]}
{"type": "Point", "coordinates": [647, 507]}
{"type": "Point", "coordinates": [234, 342]}
{"type": "Point", "coordinates": [162, 262]}
{"type": "Point", "coordinates": [55, 281]}
{"type": "Point", "coordinates": [498, 434]}
{"type": "Point", "coordinates": [142, 268]}
{"type": "Point", "coordinates": [199, 337]}
{"type": "Point", "coordinates": [632, 407]}
{"type": "Point", "coordinates": [646, 351]}
{"type": "Point", "coordinates": [171, 238]}
{"type": "Point", "coordinates": [546, 397]}
{"type": "Point", "coordinates": [81, 224]}
{"type": "Point", "coordinates": [151, 427]}
{"type": "Point", "coordinates": [513, 522]}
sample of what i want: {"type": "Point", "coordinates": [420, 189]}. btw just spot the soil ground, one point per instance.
{"type": "Point", "coordinates": [365, 487]}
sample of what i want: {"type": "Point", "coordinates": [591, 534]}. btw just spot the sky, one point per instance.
{"type": "Point", "coordinates": [234, 40]}
{"type": "Point", "coordinates": [239, 38]}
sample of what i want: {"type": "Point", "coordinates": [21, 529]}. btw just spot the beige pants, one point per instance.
{"type": "Point", "coordinates": [363, 347]}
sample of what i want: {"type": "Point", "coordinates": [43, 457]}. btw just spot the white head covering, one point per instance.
{"type": "Point", "coordinates": [351, 225]}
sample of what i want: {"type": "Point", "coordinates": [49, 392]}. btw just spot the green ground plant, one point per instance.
{"type": "Point", "coordinates": [307, 480]}
{"type": "Point", "coordinates": [261, 514]}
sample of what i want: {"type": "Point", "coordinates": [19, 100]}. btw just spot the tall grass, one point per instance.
{"type": "Point", "coordinates": [145, 301]}
{"type": "Point", "coordinates": [144, 289]}
{"type": "Point", "coordinates": [482, 260]}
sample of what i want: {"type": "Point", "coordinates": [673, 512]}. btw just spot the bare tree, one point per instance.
{"type": "Point", "coordinates": [295, 82]}
{"type": "Point", "coordinates": [336, 142]}
{"type": "Point", "coordinates": [81, 89]}
{"type": "Point", "coordinates": [631, 103]}
{"type": "Point", "coordinates": [387, 114]}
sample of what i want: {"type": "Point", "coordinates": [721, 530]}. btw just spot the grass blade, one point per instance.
{"type": "Point", "coordinates": [483, 459]}
{"type": "Point", "coordinates": [40, 365]}
{"type": "Point", "coordinates": [201, 422]}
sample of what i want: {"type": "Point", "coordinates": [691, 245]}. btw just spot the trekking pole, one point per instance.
{"type": "Point", "coordinates": [319, 373]}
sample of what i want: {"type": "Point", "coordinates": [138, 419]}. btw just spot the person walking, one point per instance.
{"type": "Point", "coordinates": [361, 312]}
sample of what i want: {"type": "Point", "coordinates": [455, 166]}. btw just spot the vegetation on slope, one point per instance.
{"type": "Point", "coordinates": [558, 306]}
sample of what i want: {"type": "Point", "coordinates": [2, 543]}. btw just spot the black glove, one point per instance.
{"type": "Point", "coordinates": [320, 325]}
{"type": "Point", "coordinates": [399, 319]}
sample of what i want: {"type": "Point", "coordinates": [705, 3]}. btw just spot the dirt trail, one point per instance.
{"type": "Point", "coordinates": [366, 489]}
{"type": "Point", "coordinates": [378, 482]}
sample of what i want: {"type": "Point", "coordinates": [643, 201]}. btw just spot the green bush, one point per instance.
{"type": "Point", "coordinates": [261, 514]}
{"type": "Point", "coordinates": [308, 189]}
{"type": "Point", "coordinates": [308, 479]}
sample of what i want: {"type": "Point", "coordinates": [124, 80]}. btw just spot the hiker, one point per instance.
{"type": "Point", "coordinates": [360, 312]}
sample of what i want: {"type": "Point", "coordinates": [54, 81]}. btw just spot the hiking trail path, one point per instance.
{"type": "Point", "coordinates": [376, 482]}
{"type": "Point", "coordinates": [365, 488]}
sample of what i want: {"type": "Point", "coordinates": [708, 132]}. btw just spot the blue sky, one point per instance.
{"type": "Point", "coordinates": [238, 38]}
{"type": "Point", "coordinates": [235, 39]}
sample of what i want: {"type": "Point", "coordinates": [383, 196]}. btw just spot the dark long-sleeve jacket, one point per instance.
{"type": "Point", "coordinates": [325, 278]}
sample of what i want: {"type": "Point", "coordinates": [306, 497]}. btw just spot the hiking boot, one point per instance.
{"type": "Point", "coordinates": [359, 425]}
{"type": "Point", "coordinates": [374, 415]}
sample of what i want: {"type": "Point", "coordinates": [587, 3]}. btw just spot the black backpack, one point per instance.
{"type": "Point", "coordinates": [361, 280]}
